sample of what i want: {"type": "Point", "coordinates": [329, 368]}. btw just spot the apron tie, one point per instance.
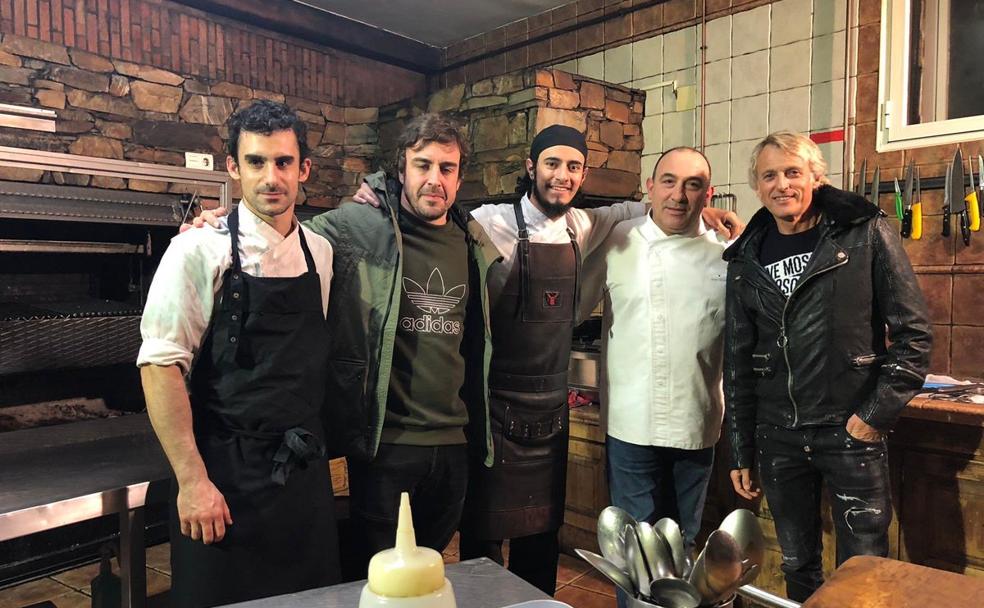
{"type": "Point", "coordinates": [299, 447]}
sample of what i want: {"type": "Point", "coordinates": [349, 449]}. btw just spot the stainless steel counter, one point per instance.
{"type": "Point", "coordinates": [59, 475]}
{"type": "Point", "coordinates": [478, 583]}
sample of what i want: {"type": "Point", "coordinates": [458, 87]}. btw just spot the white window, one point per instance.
{"type": "Point", "coordinates": [931, 77]}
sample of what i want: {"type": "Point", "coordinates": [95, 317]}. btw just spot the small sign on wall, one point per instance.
{"type": "Point", "coordinates": [194, 160]}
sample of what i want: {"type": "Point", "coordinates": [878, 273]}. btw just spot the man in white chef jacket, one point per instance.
{"type": "Point", "coordinates": [662, 345]}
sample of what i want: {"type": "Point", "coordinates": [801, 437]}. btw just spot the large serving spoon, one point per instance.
{"type": "Point", "coordinates": [655, 550]}
{"type": "Point", "coordinates": [747, 532]}
{"type": "Point", "coordinates": [670, 531]}
{"type": "Point", "coordinates": [673, 593]}
{"type": "Point", "coordinates": [611, 535]}
{"type": "Point", "coordinates": [722, 564]}
{"type": "Point", "coordinates": [610, 570]}
{"type": "Point", "coordinates": [637, 561]}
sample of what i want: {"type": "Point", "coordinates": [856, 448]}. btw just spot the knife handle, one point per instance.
{"type": "Point", "coordinates": [917, 221]}
{"type": "Point", "coordinates": [906, 229]}
{"type": "Point", "coordinates": [973, 211]}
{"type": "Point", "coordinates": [965, 227]}
{"type": "Point", "coordinates": [946, 220]}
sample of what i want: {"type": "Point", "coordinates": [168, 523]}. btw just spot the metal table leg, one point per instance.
{"type": "Point", "coordinates": [133, 558]}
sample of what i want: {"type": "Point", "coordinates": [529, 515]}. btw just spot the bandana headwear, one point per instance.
{"type": "Point", "coordinates": [558, 135]}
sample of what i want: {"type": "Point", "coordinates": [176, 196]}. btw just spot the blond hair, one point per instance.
{"type": "Point", "coordinates": [793, 143]}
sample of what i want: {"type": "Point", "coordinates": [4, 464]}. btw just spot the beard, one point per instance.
{"type": "Point", "coordinates": [551, 209]}
{"type": "Point", "coordinates": [427, 212]}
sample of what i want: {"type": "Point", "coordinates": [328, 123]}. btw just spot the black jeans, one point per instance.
{"type": "Point", "coordinates": [436, 478]}
{"type": "Point", "coordinates": [532, 558]}
{"type": "Point", "coordinates": [792, 466]}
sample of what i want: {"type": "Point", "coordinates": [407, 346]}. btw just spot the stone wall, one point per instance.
{"type": "Point", "coordinates": [504, 113]}
{"type": "Point", "coordinates": [123, 110]}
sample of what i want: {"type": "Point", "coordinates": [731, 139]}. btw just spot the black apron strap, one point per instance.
{"type": "Point", "coordinates": [304, 247]}
{"type": "Point", "coordinates": [522, 257]}
{"type": "Point", "coordinates": [577, 269]}
{"type": "Point", "coordinates": [234, 291]}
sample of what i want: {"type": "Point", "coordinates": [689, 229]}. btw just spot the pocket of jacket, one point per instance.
{"type": "Point", "coordinates": [346, 417]}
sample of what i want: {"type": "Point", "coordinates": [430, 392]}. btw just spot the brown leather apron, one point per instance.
{"type": "Point", "coordinates": [532, 322]}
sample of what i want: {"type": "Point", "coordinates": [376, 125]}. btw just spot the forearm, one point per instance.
{"type": "Point", "coordinates": [170, 414]}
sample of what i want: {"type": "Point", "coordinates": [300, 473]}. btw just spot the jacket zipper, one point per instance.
{"type": "Point", "coordinates": [782, 341]}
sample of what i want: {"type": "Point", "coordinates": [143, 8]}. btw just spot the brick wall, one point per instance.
{"type": "Point", "coordinates": [180, 39]}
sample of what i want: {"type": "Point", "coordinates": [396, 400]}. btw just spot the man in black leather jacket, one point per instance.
{"type": "Point", "coordinates": [816, 284]}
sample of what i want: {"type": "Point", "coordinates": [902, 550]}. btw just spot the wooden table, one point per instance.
{"type": "Point", "coordinates": [876, 582]}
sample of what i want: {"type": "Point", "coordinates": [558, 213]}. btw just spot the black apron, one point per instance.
{"type": "Point", "coordinates": [256, 394]}
{"type": "Point", "coordinates": [532, 324]}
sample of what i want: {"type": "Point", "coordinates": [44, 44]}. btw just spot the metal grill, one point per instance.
{"type": "Point", "coordinates": [67, 342]}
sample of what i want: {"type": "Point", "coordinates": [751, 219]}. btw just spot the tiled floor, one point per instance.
{"type": "Point", "coordinates": [577, 584]}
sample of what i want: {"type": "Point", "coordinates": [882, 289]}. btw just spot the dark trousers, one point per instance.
{"type": "Point", "coordinates": [792, 467]}
{"type": "Point", "coordinates": [651, 483]}
{"type": "Point", "coordinates": [532, 558]}
{"type": "Point", "coordinates": [435, 477]}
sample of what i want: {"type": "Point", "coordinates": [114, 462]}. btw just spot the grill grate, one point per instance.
{"type": "Point", "coordinates": [36, 343]}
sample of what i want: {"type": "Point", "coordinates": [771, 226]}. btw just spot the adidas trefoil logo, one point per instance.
{"type": "Point", "coordinates": [433, 298]}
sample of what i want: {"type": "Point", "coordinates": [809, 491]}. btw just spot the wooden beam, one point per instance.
{"type": "Point", "coordinates": [327, 29]}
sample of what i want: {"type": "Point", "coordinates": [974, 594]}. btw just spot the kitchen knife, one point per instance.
{"type": "Point", "coordinates": [917, 226]}
{"type": "Point", "coordinates": [973, 206]}
{"type": "Point", "coordinates": [958, 206]}
{"type": "Point", "coordinates": [875, 186]}
{"type": "Point", "coordinates": [898, 199]}
{"type": "Point", "coordinates": [906, 202]}
{"type": "Point", "coordinates": [859, 188]}
{"type": "Point", "coordinates": [947, 199]}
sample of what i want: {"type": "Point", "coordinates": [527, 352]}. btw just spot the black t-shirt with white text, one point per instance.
{"type": "Point", "coordinates": [424, 406]}
{"type": "Point", "coordinates": [785, 256]}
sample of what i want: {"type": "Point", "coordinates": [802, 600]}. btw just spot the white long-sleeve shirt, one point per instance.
{"type": "Point", "coordinates": [663, 336]}
{"type": "Point", "coordinates": [590, 226]}
{"type": "Point", "coordinates": [189, 277]}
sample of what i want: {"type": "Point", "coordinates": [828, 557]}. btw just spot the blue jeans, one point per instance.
{"type": "Point", "coordinates": [793, 466]}
{"type": "Point", "coordinates": [651, 483]}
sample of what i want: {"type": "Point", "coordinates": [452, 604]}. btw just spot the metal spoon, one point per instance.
{"type": "Point", "coordinates": [637, 562]}
{"type": "Point", "coordinates": [655, 550]}
{"type": "Point", "coordinates": [611, 539]}
{"type": "Point", "coordinates": [670, 531]}
{"type": "Point", "coordinates": [747, 532]}
{"type": "Point", "coordinates": [610, 570]}
{"type": "Point", "coordinates": [722, 564]}
{"type": "Point", "coordinates": [673, 593]}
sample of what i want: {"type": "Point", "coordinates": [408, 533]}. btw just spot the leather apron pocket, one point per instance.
{"type": "Point", "coordinates": [530, 433]}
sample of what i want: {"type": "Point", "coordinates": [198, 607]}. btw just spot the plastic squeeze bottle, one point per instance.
{"type": "Point", "coordinates": [406, 570]}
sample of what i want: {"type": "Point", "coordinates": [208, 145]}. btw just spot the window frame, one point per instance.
{"type": "Point", "coordinates": [893, 87]}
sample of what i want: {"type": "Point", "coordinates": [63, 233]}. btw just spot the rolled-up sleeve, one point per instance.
{"type": "Point", "coordinates": [180, 300]}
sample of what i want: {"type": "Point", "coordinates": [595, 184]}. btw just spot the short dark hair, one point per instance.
{"type": "Point", "coordinates": [679, 149]}
{"type": "Point", "coordinates": [428, 128]}
{"type": "Point", "coordinates": [265, 116]}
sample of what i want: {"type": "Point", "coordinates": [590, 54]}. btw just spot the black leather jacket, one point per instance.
{"type": "Point", "coordinates": [821, 355]}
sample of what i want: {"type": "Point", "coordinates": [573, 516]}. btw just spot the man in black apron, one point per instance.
{"type": "Point", "coordinates": [252, 506]}
{"type": "Point", "coordinates": [521, 497]}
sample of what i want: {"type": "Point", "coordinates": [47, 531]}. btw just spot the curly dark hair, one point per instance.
{"type": "Point", "coordinates": [427, 128]}
{"type": "Point", "coordinates": [265, 116]}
